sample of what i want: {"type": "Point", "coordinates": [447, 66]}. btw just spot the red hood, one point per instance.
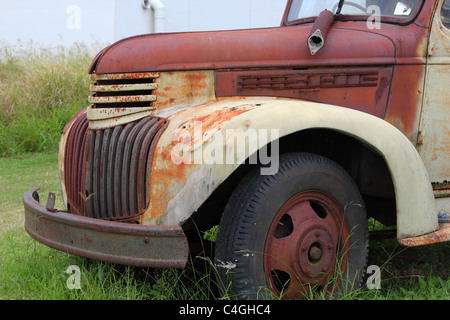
{"type": "Point", "coordinates": [257, 48]}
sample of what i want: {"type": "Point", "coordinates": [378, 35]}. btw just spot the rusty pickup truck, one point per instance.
{"type": "Point", "coordinates": [288, 139]}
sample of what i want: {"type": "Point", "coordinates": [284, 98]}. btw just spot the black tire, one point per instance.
{"type": "Point", "coordinates": [304, 216]}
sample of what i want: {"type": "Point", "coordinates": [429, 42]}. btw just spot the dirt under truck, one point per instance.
{"type": "Point", "coordinates": [288, 138]}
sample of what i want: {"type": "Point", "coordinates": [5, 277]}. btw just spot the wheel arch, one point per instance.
{"type": "Point", "coordinates": [380, 142]}
{"type": "Point", "coordinates": [376, 185]}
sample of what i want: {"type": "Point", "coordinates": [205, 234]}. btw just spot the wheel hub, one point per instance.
{"type": "Point", "coordinates": [306, 238]}
{"type": "Point", "coordinates": [315, 254]}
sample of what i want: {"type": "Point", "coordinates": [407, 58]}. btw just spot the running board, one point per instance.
{"type": "Point", "coordinates": [440, 235]}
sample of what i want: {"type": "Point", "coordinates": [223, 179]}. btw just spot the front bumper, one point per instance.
{"type": "Point", "coordinates": [114, 242]}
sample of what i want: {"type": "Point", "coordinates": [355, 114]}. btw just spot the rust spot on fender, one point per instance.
{"type": "Point", "coordinates": [217, 118]}
{"type": "Point", "coordinates": [168, 177]}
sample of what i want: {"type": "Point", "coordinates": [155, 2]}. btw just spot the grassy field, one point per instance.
{"type": "Point", "coordinates": [37, 97]}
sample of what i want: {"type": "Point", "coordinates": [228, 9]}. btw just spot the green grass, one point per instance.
{"type": "Point", "coordinates": [419, 273]}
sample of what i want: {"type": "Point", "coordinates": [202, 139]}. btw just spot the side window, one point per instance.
{"type": "Point", "coordinates": [445, 14]}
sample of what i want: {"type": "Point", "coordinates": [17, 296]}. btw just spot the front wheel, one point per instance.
{"type": "Point", "coordinates": [299, 231]}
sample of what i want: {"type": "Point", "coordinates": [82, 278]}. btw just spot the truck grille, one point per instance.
{"type": "Point", "coordinates": [123, 90]}
{"type": "Point", "coordinates": [105, 171]}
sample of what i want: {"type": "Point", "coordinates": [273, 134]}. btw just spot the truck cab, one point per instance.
{"type": "Point", "coordinates": [288, 138]}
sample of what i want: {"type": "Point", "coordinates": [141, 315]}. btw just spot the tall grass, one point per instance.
{"type": "Point", "coordinates": [39, 93]}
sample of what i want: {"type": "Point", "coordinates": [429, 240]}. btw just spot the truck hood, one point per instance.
{"type": "Point", "coordinates": [256, 48]}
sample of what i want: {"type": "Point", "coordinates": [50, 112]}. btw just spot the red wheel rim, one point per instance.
{"type": "Point", "coordinates": [306, 246]}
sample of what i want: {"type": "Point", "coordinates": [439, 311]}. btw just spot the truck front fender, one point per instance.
{"type": "Point", "coordinates": [183, 174]}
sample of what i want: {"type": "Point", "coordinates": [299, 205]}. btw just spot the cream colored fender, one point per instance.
{"type": "Point", "coordinates": [186, 170]}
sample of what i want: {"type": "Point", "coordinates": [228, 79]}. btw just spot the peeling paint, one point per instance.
{"type": "Point", "coordinates": [199, 183]}
{"type": "Point", "coordinates": [441, 235]}
{"type": "Point", "coordinates": [101, 118]}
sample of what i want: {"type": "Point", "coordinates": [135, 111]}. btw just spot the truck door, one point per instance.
{"type": "Point", "coordinates": [434, 143]}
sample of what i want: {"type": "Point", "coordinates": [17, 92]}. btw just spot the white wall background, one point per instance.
{"type": "Point", "coordinates": [65, 22]}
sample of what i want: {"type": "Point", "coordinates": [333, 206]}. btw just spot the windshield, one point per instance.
{"type": "Point", "coordinates": [405, 9]}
